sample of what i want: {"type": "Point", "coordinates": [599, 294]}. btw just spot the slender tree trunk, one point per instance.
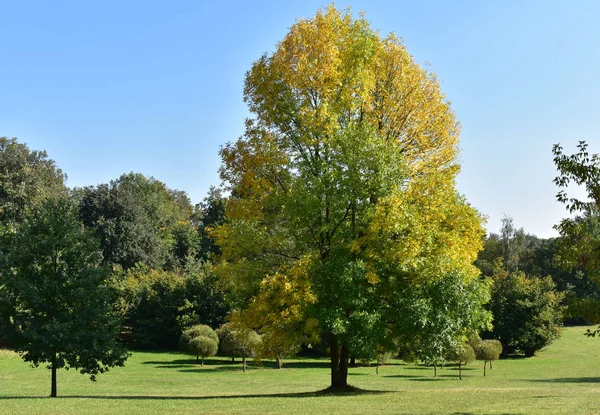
{"type": "Point", "coordinates": [490, 364]}
{"type": "Point", "coordinates": [53, 369]}
{"type": "Point", "coordinates": [339, 364]}
{"type": "Point", "coordinates": [279, 362]}
{"type": "Point", "coordinates": [353, 361]}
{"type": "Point", "coordinates": [459, 371]}
{"type": "Point", "coordinates": [202, 362]}
{"type": "Point", "coordinates": [197, 359]}
{"type": "Point", "coordinates": [232, 359]}
{"type": "Point", "coordinates": [484, 365]}
{"type": "Point", "coordinates": [377, 368]}
{"type": "Point", "coordinates": [244, 363]}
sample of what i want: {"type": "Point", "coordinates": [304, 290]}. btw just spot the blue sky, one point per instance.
{"type": "Point", "coordinates": [156, 87]}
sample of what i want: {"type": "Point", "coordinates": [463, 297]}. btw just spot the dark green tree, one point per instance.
{"type": "Point", "coordinates": [527, 312]}
{"type": "Point", "coordinates": [211, 213]}
{"type": "Point", "coordinates": [27, 178]}
{"type": "Point", "coordinates": [64, 314]}
{"type": "Point", "coordinates": [139, 220]}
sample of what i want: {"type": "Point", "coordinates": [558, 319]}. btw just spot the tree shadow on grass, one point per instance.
{"type": "Point", "coordinates": [402, 376]}
{"type": "Point", "coordinates": [228, 365]}
{"type": "Point", "coordinates": [190, 365]}
{"type": "Point", "coordinates": [307, 365]}
{"type": "Point", "coordinates": [568, 380]}
{"type": "Point", "coordinates": [351, 391]}
{"type": "Point", "coordinates": [474, 413]}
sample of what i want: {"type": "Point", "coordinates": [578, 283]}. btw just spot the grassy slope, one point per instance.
{"type": "Point", "coordinates": [565, 378]}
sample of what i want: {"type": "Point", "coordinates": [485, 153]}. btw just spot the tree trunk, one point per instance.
{"type": "Point", "coordinates": [202, 362]}
{"type": "Point", "coordinates": [232, 359]}
{"type": "Point", "coordinates": [490, 364]}
{"type": "Point", "coordinates": [353, 361]}
{"type": "Point", "coordinates": [459, 371]}
{"type": "Point", "coordinates": [377, 368]}
{"type": "Point", "coordinates": [197, 358]}
{"type": "Point", "coordinates": [339, 364]}
{"type": "Point", "coordinates": [244, 363]}
{"type": "Point", "coordinates": [279, 362]}
{"type": "Point", "coordinates": [484, 365]}
{"type": "Point", "coordinates": [53, 369]}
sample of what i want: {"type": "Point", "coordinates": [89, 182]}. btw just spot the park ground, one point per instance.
{"type": "Point", "coordinates": [564, 378]}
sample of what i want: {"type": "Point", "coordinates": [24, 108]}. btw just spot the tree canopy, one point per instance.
{"type": "Point", "coordinates": [344, 181]}
{"type": "Point", "coordinates": [63, 310]}
{"type": "Point", "coordinates": [27, 178]}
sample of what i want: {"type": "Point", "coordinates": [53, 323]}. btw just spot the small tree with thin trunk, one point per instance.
{"type": "Point", "coordinates": [486, 351]}
{"type": "Point", "coordinates": [203, 346]}
{"type": "Point", "coordinates": [63, 310]}
{"type": "Point", "coordinates": [498, 345]}
{"type": "Point", "coordinates": [200, 341]}
{"type": "Point", "coordinates": [227, 342]}
{"type": "Point", "coordinates": [247, 343]}
{"type": "Point", "coordinates": [462, 354]}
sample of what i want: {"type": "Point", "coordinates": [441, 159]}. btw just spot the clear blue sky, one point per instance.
{"type": "Point", "coordinates": [109, 87]}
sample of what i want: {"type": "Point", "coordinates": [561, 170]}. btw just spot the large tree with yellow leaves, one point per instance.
{"type": "Point", "coordinates": [343, 188]}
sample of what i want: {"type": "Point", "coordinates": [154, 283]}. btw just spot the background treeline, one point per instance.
{"type": "Point", "coordinates": [161, 253]}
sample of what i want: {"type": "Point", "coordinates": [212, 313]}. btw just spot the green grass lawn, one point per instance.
{"type": "Point", "coordinates": [564, 378]}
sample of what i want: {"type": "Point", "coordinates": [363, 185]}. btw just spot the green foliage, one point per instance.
{"type": "Point", "coordinates": [487, 351]}
{"type": "Point", "coordinates": [227, 344]}
{"type": "Point", "coordinates": [344, 181]}
{"type": "Point", "coordinates": [239, 340]}
{"type": "Point", "coordinates": [63, 315]}
{"type": "Point", "coordinates": [139, 221]}
{"type": "Point", "coordinates": [497, 344]}
{"type": "Point", "coordinates": [527, 312]}
{"type": "Point", "coordinates": [157, 304]}
{"type": "Point", "coordinates": [27, 178]}
{"type": "Point", "coordinates": [203, 346]}
{"type": "Point", "coordinates": [462, 354]}
{"type": "Point", "coordinates": [580, 234]}
{"type": "Point", "coordinates": [199, 340]}
{"type": "Point", "coordinates": [473, 338]}
{"type": "Point", "coordinates": [211, 212]}
{"type": "Point", "coordinates": [442, 313]}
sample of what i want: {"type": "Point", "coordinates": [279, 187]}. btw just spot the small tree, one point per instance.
{"type": "Point", "coordinates": [227, 342]}
{"type": "Point", "coordinates": [498, 345]}
{"type": "Point", "coordinates": [200, 341]}
{"type": "Point", "coordinates": [204, 347]}
{"type": "Point", "coordinates": [247, 343]}
{"type": "Point", "coordinates": [527, 311]}
{"type": "Point", "coordinates": [239, 340]}
{"type": "Point", "coordinates": [276, 345]}
{"type": "Point", "coordinates": [486, 351]}
{"type": "Point", "coordinates": [462, 354]}
{"type": "Point", "coordinates": [63, 310]}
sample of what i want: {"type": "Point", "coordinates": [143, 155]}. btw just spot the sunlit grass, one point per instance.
{"type": "Point", "coordinates": [565, 378]}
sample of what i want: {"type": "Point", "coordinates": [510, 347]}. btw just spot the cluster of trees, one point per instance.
{"type": "Point", "coordinates": [342, 226]}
